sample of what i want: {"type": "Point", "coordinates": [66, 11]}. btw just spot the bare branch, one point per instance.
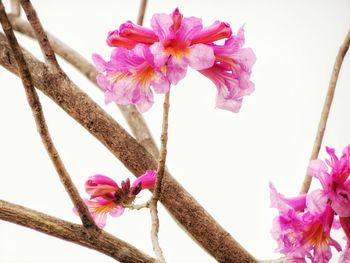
{"type": "Point", "coordinates": [163, 148]}
{"type": "Point", "coordinates": [158, 187]}
{"type": "Point", "coordinates": [326, 108]}
{"type": "Point", "coordinates": [185, 209]}
{"type": "Point", "coordinates": [134, 119]}
{"type": "Point", "coordinates": [15, 8]}
{"type": "Point", "coordinates": [44, 43]}
{"type": "Point", "coordinates": [100, 241]}
{"type": "Point", "coordinates": [142, 11]}
{"type": "Point", "coordinates": [35, 105]}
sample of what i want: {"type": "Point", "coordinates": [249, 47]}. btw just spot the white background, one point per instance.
{"type": "Point", "coordinates": [225, 160]}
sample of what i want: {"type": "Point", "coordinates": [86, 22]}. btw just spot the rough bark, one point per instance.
{"type": "Point", "coordinates": [185, 209]}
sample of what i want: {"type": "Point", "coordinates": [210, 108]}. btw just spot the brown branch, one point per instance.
{"type": "Point", "coordinates": [142, 11]}
{"type": "Point", "coordinates": [326, 108]}
{"type": "Point", "coordinates": [15, 8]}
{"type": "Point", "coordinates": [44, 43]}
{"type": "Point", "coordinates": [185, 209]}
{"type": "Point", "coordinates": [35, 105]}
{"type": "Point", "coordinates": [100, 241]}
{"type": "Point", "coordinates": [134, 119]}
{"type": "Point", "coordinates": [163, 148]}
{"type": "Point", "coordinates": [160, 175]}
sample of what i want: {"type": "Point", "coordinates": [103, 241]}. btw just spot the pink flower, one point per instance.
{"type": "Point", "coordinates": [106, 197]}
{"type": "Point", "coordinates": [99, 185]}
{"type": "Point", "coordinates": [176, 42]}
{"type": "Point", "coordinates": [175, 47]}
{"type": "Point", "coordinates": [335, 183]}
{"type": "Point", "coordinates": [146, 181]}
{"type": "Point", "coordinates": [100, 207]}
{"type": "Point", "coordinates": [130, 34]}
{"type": "Point", "coordinates": [231, 72]}
{"type": "Point", "coordinates": [128, 76]}
{"type": "Point", "coordinates": [302, 234]}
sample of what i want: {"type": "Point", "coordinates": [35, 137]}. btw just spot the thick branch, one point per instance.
{"type": "Point", "coordinates": [15, 8]}
{"type": "Point", "coordinates": [326, 108]}
{"type": "Point", "coordinates": [185, 209]}
{"type": "Point", "coordinates": [42, 128]}
{"type": "Point", "coordinates": [99, 241]}
{"type": "Point", "coordinates": [44, 43]}
{"type": "Point", "coordinates": [134, 119]}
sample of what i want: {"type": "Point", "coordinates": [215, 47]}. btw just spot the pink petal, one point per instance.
{"type": "Point", "coordinates": [245, 57]}
{"type": "Point", "coordinates": [146, 99]}
{"type": "Point", "coordinates": [160, 57]}
{"type": "Point", "coordinates": [115, 40]}
{"type": "Point", "coordinates": [147, 180]}
{"type": "Point", "coordinates": [176, 70]}
{"type": "Point", "coordinates": [190, 26]}
{"type": "Point", "coordinates": [318, 169]}
{"type": "Point", "coordinates": [216, 31]}
{"type": "Point", "coordinates": [137, 33]}
{"type": "Point", "coordinates": [284, 204]}
{"type": "Point", "coordinates": [200, 57]}
{"type": "Point", "coordinates": [340, 202]}
{"type": "Point", "coordinates": [161, 24]}
{"type": "Point", "coordinates": [160, 83]}
{"type": "Point", "coordinates": [99, 62]}
{"type": "Point", "coordinates": [316, 201]}
{"type": "Point", "coordinates": [117, 211]}
{"type": "Point", "coordinates": [226, 102]}
{"type": "Point", "coordinates": [103, 82]}
{"type": "Point", "coordinates": [345, 255]}
{"type": "Point", "coordinates": [124, 91]}
{"type": "Point", "coordinates": [345, 224]}
{"type": "Point", "coordinates": [99, 185]}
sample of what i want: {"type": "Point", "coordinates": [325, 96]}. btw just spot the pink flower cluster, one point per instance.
{"type": "Point", "coordinates": [303, 227]}
{"type": "Point", "coordinates": [158, 57]}
{"type": "Point", "coordinates": [106, 197]}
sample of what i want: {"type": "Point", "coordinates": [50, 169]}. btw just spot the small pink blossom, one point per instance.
{"type": "Point", "coordinates": [175, 48]}
{"type": "Point", "coordinates": [100, 207]}
{"type": "Point", "coordinates": [335, 183]}
{"type": "Point", "coordinates": [128, 76]}
{"type": "Point", "coordinates": [231, 72]}
{"type": "Point", "coordinates": [146, 181]}
{"type": "Point", "coordinates": [301, 234]}
{"type": "Point", "coordinates": [107, 197]}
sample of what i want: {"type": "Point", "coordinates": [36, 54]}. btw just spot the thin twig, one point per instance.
{"type": "Point", "coordinates": [15, 8]}
{"type": "Point", "coordinates": [44, 43]}
{"type": "Point", "coordinates": [35, 105]}
{"type": "Point", "coordinates": [185, 209]}
{"type": "Point", "coordinates": [142, 11]}
{"type": "Point", "coordinates": [104, 242]}
{"type": "Point", "coordinates": [158, 187]}
{"type": "Point", "coordinates": [138, 206]}
{"type": "Point", "coordinates": [326, 108]}
{"type": "Point", "coordinates": [163, 148]}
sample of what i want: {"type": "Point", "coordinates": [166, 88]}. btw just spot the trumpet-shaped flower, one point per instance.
{"type": "Point", "coordinates": [302, 234]}
{"type": "Point", "coordinates": [231, 72]}
{"type": "Point", "coordinates": [107, 197]}
{"type": "Point", "coordinates": [175, 47]}
{"type": "Point", "coordinates": [335, 183]}
{"type": "Point", "coordinates": [127, 78]}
